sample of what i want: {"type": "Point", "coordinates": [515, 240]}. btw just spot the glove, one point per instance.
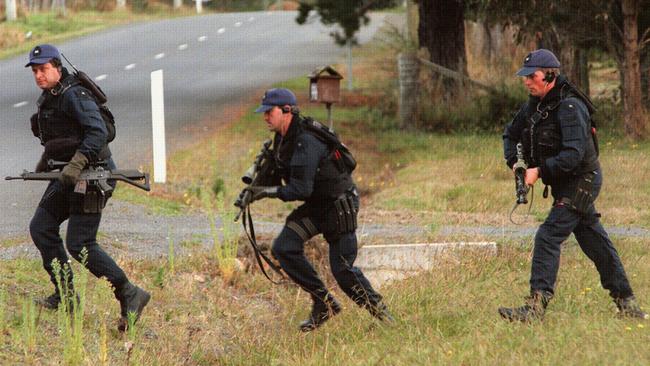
{"type": "Point", "coordinates": [41, 166]}
{"type": "Point", "coordinates": [259, 192]}
{"type": "Point", "coordinates": [71, 172]}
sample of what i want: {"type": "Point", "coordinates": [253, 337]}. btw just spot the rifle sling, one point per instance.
{"type": "Point", "coordinates": [259, 255]}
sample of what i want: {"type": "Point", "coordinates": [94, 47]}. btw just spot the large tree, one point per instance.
{"type": "Point", "coordinates": [441, 31]}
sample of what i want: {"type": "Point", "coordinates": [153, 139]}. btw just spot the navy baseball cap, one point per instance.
{"type": "Point", "coordinates": [276, 97]}
{"type": "Point", "coordinates": [42, 54]}
{"type": "Point", "coordinates": [541, 58]}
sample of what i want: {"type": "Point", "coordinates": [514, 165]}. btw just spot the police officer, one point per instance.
{"type": "Point", "coordinates": [307, 165]}
{"type": "Point", "coordinates": [558, 140]}
{"type": "Point", "coordinates": [70, 127]}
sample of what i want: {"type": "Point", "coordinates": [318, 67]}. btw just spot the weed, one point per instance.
{"type": "Point", "coordinates": [28, 327]}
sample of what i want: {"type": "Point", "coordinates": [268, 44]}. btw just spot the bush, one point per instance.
{"type": "Point", "coordinates": [478, 113]}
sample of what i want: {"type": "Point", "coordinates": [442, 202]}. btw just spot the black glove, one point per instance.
{"type": "Point", "coordinates": [41, 166]}
{"type": "Point", "coordinates": [260, 192]}
{"type": "Point", "coordinates": [71, 172]}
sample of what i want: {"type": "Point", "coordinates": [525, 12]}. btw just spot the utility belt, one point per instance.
{"type": "Point", "coordinates": [583, 198]}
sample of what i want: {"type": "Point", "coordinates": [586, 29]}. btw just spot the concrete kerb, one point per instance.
{"type": "Point", "coordinates": [385, 263]}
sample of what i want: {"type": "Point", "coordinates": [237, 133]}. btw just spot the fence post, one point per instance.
{"type": "Point", "coordinates": [408, 67]}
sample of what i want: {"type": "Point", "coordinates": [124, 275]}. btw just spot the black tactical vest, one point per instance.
{"type": "Point", "coordinates": [54, 125]}
{"type": "Point", "coordinates": [542, 137]}
{"type": "Point", "coordinates": [331, 180]}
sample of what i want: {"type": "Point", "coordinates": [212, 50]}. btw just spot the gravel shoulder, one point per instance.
{"type": "Point", "coordinates": [132, 231]}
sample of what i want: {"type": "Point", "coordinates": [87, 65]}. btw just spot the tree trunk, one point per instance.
{"type": "Point", "coordinates": [634, 116]}
{"type": "Point", "coordinates": [645, 80]}
{"type": "Point", "coordinates": [442, 31]}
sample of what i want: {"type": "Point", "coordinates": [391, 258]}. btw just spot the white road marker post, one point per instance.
{"type": "Point", "coordinates": [158, 127]}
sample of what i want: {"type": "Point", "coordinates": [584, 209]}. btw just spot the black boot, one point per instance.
{"type": "Point", "coordinates": [53, 301]}
{"type": "Point", "coordinates": [534, 308]}
{"type": "Point", "coordinates": [322, 309]}
{"type": "Point", "coordinates": [628, 308]}
{"type": "Point", "coordinates": [380, 311]}
{"type": "Point", "coordinates": [132, 300]}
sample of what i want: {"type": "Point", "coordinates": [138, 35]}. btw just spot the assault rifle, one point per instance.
{"type": "Point", "coordinates": [253, 176]}
{"type": "Point", "coordinates": [94, 174]}
{"type": "Point", "coordinates": [259, 174]}
{"type": "Point", "coordinates": [520, 183]}
{"type": "Point", "coordinates": [520, 176]}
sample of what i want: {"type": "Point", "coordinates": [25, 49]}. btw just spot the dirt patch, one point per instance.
{"type": "Point", "coordinates": [285, 5]}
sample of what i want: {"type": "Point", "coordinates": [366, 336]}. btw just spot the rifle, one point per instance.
{"type": "Point", "coordinates": [521, 188]}
{"type": "Point", "coordinates": [94, 174]}
{"type": "Point", "coordinates": [253, 176]}
{"type": "Point", "coordinates": [258, 174]}
{"type": "Point", "coordinates": [520, 176]}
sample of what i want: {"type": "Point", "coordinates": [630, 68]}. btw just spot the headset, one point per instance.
{"type": "Point", "coordinates": [290, 109]}
{"type": "Point", "coordinates": [549, 77]}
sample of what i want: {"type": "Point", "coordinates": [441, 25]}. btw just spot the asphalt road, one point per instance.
{"type": "Point", "coordinates": [209, 62]}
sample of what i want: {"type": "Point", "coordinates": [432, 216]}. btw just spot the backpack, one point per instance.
{"type": "Point", "coordinates": [339, 153]}
{"type": "Point", "coordinates": [81, 78]}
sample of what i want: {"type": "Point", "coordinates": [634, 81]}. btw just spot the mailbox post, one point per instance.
{"type": "Point", "coordinates": [325, 87]}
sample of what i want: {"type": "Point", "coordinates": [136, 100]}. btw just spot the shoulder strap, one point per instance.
{"type": "Point", "coordinates": [318, 130]}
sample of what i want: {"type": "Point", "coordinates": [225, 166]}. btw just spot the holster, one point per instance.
{"type": "Point", "coordinates": [583, 198]}
{"type": "Point", "coordinates": [345, 212]}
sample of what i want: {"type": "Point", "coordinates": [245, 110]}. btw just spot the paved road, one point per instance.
{"type": "Point", "coordinates": [209, 62]}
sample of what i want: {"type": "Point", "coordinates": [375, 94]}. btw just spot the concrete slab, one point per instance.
{"type": "Point", "coordinates": [386, 263]}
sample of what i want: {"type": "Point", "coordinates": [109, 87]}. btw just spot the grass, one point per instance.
{"type": "Point", "coordinates": [447, 316]}
{"type": "Point", "coordinates": [49, 27]}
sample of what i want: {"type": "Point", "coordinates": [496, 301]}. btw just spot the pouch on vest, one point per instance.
{"type": "Point", "coordinates": [343, 216]}
{"type": "Point", "coordinates": [583, 198]}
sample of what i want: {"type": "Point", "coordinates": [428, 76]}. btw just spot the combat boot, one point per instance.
{"type": "Point", "coordinates": [533, 309]}
{"type": "Point", "coordinates": [629, 308]}
{"type": "Point", "coordinates": [53, 301]}
{"type": "Point", "coordinates": [132, 300]}
{"type": "Point", "coordinates": [321, 311]}
{"type": "Point", "coordinates": [380, 311]}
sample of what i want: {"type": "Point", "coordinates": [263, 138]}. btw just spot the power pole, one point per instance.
{"type": "Point", "coordinates": [10, 7]}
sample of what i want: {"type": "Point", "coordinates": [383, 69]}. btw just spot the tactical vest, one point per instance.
{"type": "Point", "coordinates": [542, 137]}
{"type": "Point", "coordinates": [331, 180]}
{"type": "Point", "coordinates": [54, 124]}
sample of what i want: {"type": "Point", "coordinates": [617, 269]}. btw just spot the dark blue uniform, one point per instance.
{"type": "Point", "coordinates": [562, 147]}
{"type": "Point", "coordinates": [304, 164]}
{"type": "Point", "coordinates": [69, 120]}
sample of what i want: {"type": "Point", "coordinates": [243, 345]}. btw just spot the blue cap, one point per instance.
{"type": "Point", "coordinates": [276, 97]}
{"type": "Point", "coordinates": [541, 58]}
{"type": "Point", "coordinates": [42, 54]}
